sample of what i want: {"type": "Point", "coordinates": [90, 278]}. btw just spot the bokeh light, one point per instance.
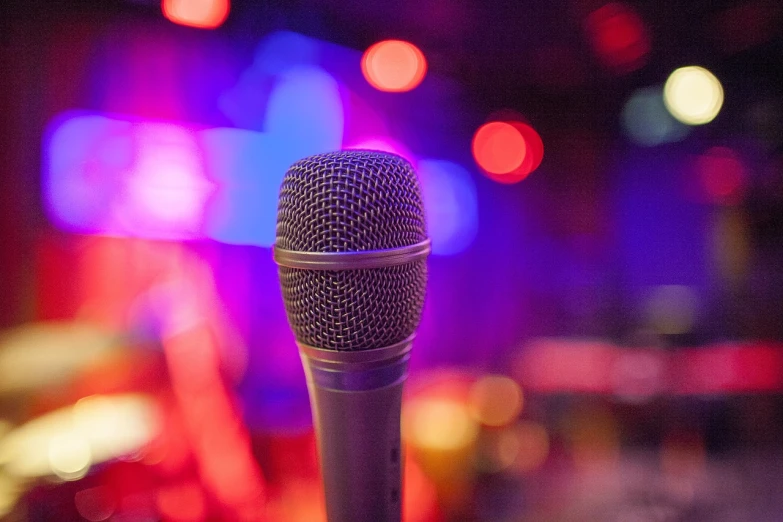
{"type": "Point", "coordinates": [394, 66]}
{"type": "Point", "coordinates": [439, 424]}
{"type": "Point", "coordinates": [66, 442]}
{"type": "Point", "coordinates": [498, 147]}
{"type": "Point", "coordinates": [420, 498]}
{"type": "Point", "coordinates": [534, 152]}
{"type": "Point", "coordinates": [732, 245]}
{"type": "Point", "coordinates": [304, 115]}
{"type": "Point", "coordinates": [533, 450]}
{"type": "Point", "coordinates": [69, 455]}
{"type": "Point", "coordinates": [441, 435]}
{"type": "Point", "coordinates": [35, 355]}
{"type": "Point", "coordinates": [383, 144]}
{"type": "Point", "coordinates": [166, 190]}
{"type": "Point", "coordinates": [182, 502]}
{"type": "Point", "coordinates": [506, 149]}
{"type": "Point", "coordinates": [647, 122]}
{"type": "Point", "coordinates": [693, 95]}
{"type": "Point", "coordinates": [639, 375]}
{"type": "Point", "coordinates": [618, 37]}
{"type": "Point", "coordinates": [672, 309]}
{"type": "Point", "coordinates": [452, 205]}
{"type": "Point", "coordinates": [722, 174]}
{"type": "Point", "coordinates": [95, 504]}
{"type": "Point", "coordinates": [495, 400]}
{"type": "Point", "coordinates": [204, 14]}
{"type": "Point", "coordinates": [498, 450]}
{"type": "Point", "coordinates": [593, 437]}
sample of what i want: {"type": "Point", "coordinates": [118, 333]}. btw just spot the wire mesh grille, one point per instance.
{"type": "Point", "coordinates": [352, 201]}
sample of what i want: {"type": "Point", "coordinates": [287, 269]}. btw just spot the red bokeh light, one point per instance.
{"type": "Point", "coordinates": [618, 37]}
{"type": "Point", "coordinates": [535, 149]}
{"type": "Point", "coordinates": [498, 147]}
{"type": "Point", "coordinates": [394, 66]}
{"type": "Point", "coordinates": [721, 174]}
{"type": "Point", "coordinates": [507, 151]}
{"type": "Point", "coordinates": [204, 14]}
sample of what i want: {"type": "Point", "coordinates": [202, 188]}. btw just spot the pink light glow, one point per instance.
{"type": "Point", "coordinates": [166, 189]}
{"type": "Point", "coordinates": [554, 365]}
{"type": "Point", "coordinates": [636, 374]}
{"type": "Point", "coordinates": [383, 144]}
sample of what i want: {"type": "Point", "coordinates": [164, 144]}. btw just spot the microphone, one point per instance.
{"type": "Point", "coordinates": [351, 246]}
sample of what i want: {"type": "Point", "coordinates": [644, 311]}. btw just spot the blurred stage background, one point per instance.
{"type": "Point", "coordinates": [604, 185]}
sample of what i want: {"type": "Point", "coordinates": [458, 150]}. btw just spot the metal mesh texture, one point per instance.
{"type": "Point", "coordinates": [352, 201]}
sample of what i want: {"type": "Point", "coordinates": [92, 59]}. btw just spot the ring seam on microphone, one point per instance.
{"type": "Point", "coordinates": [351, 260]}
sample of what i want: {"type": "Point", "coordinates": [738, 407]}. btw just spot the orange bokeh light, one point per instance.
{"type": "Point", "coordinates": [204, 14]}
{"type": "Point", "coordinates": [394, 66]}
{"type": "Point", "coordinates": [507, 151]}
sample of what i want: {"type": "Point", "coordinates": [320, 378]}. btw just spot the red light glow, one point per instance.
{"type": "Point", "coordinates": [498, 147]}
{"type": "Point", "coordinates": [729, 369]}
{"type": "Point", "coordinates": [507, 151]}
{"type": "Point", "coordinates": [182, 502]}
{"type": "Point", "coordinates": [204, 14]}
{"type": "Point", "coordinates": [721, 173]}
{"type": "Point", "coordinates": [394, 66]}
{"type": "Point", "coordinates": [618, 36]}
{"type": "Point", "coordinates": [221, 444]}
{"type": "Point", "coordinates": [534, 152]}
{"type": "Point", "coordinates": [553, 365]}
{"type": "Point", "coordinates": [420, 498]}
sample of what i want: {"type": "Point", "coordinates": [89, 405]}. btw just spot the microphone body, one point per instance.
{"type": "Point", "coordinates": [352, 246]}
{"type": "Point", "coordinates": [356, 399]}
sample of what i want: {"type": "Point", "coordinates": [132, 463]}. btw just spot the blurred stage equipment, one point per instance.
{"type": "Point", "coordinates": [352, 247]}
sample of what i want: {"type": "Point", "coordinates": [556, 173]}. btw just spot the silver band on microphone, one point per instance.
{"type": "Point", "coordinates": [357, 370]}
{"type": "Point", "coordinates": [351, 260]}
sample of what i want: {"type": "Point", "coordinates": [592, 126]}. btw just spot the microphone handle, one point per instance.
{"type": "Point", "coordinates": [356, 399]}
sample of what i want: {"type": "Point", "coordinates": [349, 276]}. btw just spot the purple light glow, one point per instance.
{"type": "Point", "coordinates": [122, 178]}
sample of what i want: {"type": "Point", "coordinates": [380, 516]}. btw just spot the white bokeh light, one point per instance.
{"type": "Point", "coordinates": [693, 95]}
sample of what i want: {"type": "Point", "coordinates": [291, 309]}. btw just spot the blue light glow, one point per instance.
{"type": "Point", "coordinates": [304, 116]}
{"type": "Point", "coordinates": [452, 210]}
{"type": "Point", "coordinates": [648, 122]}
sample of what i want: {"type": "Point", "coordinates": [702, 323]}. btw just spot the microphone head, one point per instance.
{"type": "Point", "coordinates": [352, 201]}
